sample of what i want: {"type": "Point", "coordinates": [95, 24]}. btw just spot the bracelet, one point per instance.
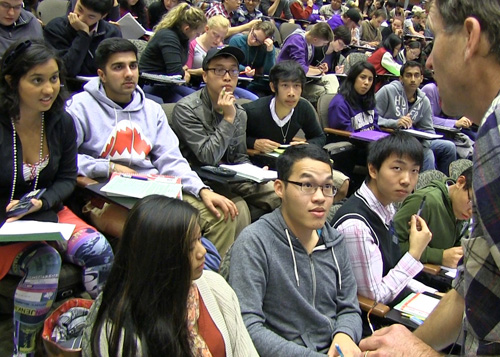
{"type": "Point", "coordinates": [111, 167]}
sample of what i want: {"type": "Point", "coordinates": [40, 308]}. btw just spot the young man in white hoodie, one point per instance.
{"type": "Point", "coordinates": [120, 130]}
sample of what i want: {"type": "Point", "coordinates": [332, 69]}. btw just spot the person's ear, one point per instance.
{"type": "Point", "coordinates": [185, 28]}
{"type": "Point", "coordinates": [279, 188]}
{"type": "Point", "coordinates": [204, 75]}
{"type": "Point", "coordinates": [8, 79]}
{"type": "Point", "coordinates": [271, 85]}
{"type": "Point", "coordinates": [476, 43]}
{"type": "Point", "coordinates": [102, 75]}
{"type": "Point", "coordinates": [372, 171]}
{"type": "Point", "coordinates": [461, 181]}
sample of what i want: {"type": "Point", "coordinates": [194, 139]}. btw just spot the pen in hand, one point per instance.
{"type": "Point", "coordinates": [422, 204]}
{"type": "Point", "coordinates": [337, 347]}
{"type": "Point", "coordinates": [419, 212]}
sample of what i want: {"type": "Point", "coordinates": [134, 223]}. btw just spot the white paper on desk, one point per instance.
{"type": "Point", "coordinates": [419, 305]}
{"type": "Point", "coordinates": [423, 134]}
{"type": "Point", "coordinates": [253, 172]}
{"type": "Point", "coordinates": [131, 29]}
{"type": "Point", "coordinates": [36, 228]}
{"type": "Point", "coordinates": [129, 187]}
{"type": "Point", "coordinates": [452, 273]}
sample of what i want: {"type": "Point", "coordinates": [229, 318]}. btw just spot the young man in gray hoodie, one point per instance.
{"type": "Point", "coordinates": [119, 130]}
{"type": "Point", "coordinates": [290, 269]}
{"type": "Point", "coordinates": [401, 104]}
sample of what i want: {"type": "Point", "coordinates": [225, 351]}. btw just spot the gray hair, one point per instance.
{"type": "Point", "coordinates": [487, 12]}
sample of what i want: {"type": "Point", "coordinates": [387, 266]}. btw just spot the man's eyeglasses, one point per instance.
{"type": "Point", "coordinates": [255, 38]}
{"type": "Point", "coordinates": [6, 6]}
{"type": "Point", "coordinates": [221, 72]}
{"type": "Point", "coordinates": [308, 188]}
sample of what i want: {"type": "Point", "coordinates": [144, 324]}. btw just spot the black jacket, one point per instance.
{"type": "Point", "coordinates": [58, 177]}
{"type": "Point", "coordinates": [77, 48]}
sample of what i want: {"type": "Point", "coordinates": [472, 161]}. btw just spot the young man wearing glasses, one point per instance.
{"type": "Point", "coordinates": [365, 220]}
{"type": "Point", "coordinates": [119, 130]}
{"type": "Point", "coordinates": [401, 104]}
{"type": "Point", "coordinates": [259, 51]}
{"type": "Point", "coordinates": [16, 24]}
{"type": "Point", "coordinates": [290, 269]}
{"type": "Point", "coordinates": [447, 210]}
{"type": "Point", "coordinates": [212, 128]}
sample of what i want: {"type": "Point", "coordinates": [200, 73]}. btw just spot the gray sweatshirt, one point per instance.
{"type": "Point", "coordinates": [293, 303]}
{"type": "Point", "coordinates": [392, 104]}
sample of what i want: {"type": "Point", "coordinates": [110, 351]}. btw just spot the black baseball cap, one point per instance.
{"type": "Point", "coordinates": [354, 15]}
{"type": "Point", "coordinates": [232, 51]}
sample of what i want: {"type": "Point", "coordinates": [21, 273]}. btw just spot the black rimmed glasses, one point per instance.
{"type": "Point", "coordinates": [221, 72]}
{"type": "Point", "coordinates": [255, 38]}
{"type": "Point", "coordinates": [308, 188]}
{"type": "Point", "coordinates": [6, 6]}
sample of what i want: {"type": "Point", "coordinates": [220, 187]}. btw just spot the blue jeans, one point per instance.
{"type": "Point", "coordinates": [439, 156]}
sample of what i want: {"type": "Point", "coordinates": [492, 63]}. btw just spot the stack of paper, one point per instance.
{"type": "Point", "coordinates": [31, 231]}
{"type": "Point", "coordinates": [140, 186]}
{"type": "Point", "coordinates": [253, 172]}
{"type": "Point", "coordinates": [419, 305]}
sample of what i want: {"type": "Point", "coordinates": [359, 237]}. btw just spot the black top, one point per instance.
{"type": "Point", "coordinates": [77, 48]}
{"type": "Point", "coordinates": [155, 13]}
{"type": "Point", "coordinates": [165, 53]}
{"type": "Point", "coordinates": [58, 177]}
{"type": "Point", "coordinates": [260, 123]}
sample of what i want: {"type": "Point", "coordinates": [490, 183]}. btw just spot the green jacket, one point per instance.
{"type": "Point", "coordinates": [438, 213]}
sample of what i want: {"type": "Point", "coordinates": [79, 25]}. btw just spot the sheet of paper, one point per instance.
{"type": "Point", "coordinates": [35, 231]}
{"type": "Point", "coordinates": [419, 305]}
{"type": "Point", "coordinates": [452, 273]}
{"type": "Point", "coordinates": [130, 28]}
{"type": "Point", "coordinates": [122, 186]}
{"type": "Point", "coordinates": [253, 172]}
{"type": "Point", "coordinates": [423, 134]}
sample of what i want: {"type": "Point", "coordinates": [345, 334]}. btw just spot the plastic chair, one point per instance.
{"type": "Point", "coordinates": [50, 9]}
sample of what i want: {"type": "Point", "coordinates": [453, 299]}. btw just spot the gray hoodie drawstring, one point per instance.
{"type": "Point", "coordinates": [338, 268]}
{"type": "Point", "coordinates": [293, 257]}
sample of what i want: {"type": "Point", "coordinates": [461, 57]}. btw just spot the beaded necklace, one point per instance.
{"type": "Point", "coordinates": [14, 156]}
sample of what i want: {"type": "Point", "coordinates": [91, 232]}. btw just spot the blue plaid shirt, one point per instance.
{"type": "Point", "coordinates": [242, 16]}
{"type": "Point", "coordinates": [479, 278]}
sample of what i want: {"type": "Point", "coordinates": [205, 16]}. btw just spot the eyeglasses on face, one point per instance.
{"type": "Point", "coordinates": [221, 72]}
{"type": "Point", "coordinates": [255, 38]}
{"type": "Point", "coordinates": [308, 188]}
{"type": "Point", "coordinates": [6, 6]}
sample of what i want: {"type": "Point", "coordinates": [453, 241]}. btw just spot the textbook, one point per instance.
{"type": "Point", "coordinates": [419, 305]}
{"type": "Point", "coordinates": [253, 172]}
{"type": "Point", "coordinates": [131, 29]}
{"type": "Point", "coordinates": [32, 231]}
{"type": "Point", "coordinates": [142, 185]}
{"type": "Point", "coordinates": [369, 135]}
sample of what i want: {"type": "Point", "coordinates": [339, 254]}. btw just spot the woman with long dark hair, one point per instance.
{"type": "Point", "coordinates": [137, 8]}
{"type": "Point", "coordinates": [353, 108]}
{"type": "Point", "coordinates": [158, 300]}
{"type": "Point", "coordinates": [384, 57]}
{"type": "Point", "coordinates": [38, 151]}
